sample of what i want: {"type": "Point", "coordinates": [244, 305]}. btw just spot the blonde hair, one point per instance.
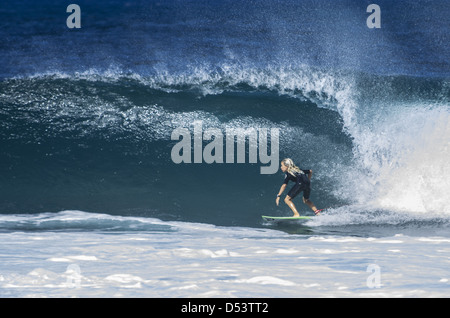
{"type": "Point", "coordinates": [291, 167]}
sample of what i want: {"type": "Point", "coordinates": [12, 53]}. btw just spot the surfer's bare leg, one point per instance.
{"type": "Point", "coordinates": [309, 203]}
{"type": "Point", "coordinates": [291, 204]}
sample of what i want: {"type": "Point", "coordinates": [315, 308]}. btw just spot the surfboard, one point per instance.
{"type": "Point", "coordinates": [280, 218]}
{"type": "Point", "coordinates": [287, 218]}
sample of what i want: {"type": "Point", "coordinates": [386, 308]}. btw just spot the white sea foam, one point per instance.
{"type": "Point", "coordinates": [199, 260]}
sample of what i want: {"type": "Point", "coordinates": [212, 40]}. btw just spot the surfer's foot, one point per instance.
{"type": "Point", "coordinates": [317, 212]}
{"type": "Point", "coordinates": [296, 215]}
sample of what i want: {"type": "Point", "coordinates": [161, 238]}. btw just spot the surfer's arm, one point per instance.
{"type": "Point", "coordinates": [283, 187]}
{"type": "Point", "coordinates": [309, 173]}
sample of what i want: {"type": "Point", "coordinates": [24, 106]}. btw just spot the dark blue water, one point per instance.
{"type": "Point", "coordinates": [148, 37]}
{"type": "Point", "coordinates": [87, 114]}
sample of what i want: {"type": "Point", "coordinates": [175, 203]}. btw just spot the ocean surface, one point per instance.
{"type": "Point", "coordinates": [92, 203]}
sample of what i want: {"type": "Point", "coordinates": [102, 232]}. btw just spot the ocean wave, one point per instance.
{"type": "Point", "coordinates": [80, 221]}
{"type": "Point", "coordinates": [373, 140]}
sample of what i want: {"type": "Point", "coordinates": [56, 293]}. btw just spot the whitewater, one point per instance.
{"type": "Point", "coordinates": [142, 257]}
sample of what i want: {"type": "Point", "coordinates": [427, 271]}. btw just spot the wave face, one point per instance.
{"type": "Point", "coordinates": [98, 143]}
{"type": "Point", "coordinates": [90, 130]}
{"type": "Point", "coordinates": [103, 143]}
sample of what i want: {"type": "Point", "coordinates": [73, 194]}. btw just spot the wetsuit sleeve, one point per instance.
{"type": "Point", "coordinates": [286, 179]}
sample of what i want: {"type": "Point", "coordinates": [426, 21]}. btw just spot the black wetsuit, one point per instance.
{"type": "Point", "coordinates": [302, 183]}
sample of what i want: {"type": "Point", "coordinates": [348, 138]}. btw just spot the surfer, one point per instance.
{"type": "Point", "coordinates": [302, 179]}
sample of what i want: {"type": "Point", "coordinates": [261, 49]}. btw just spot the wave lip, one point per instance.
{"type": "Point", "coordinates": [303, 81]}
